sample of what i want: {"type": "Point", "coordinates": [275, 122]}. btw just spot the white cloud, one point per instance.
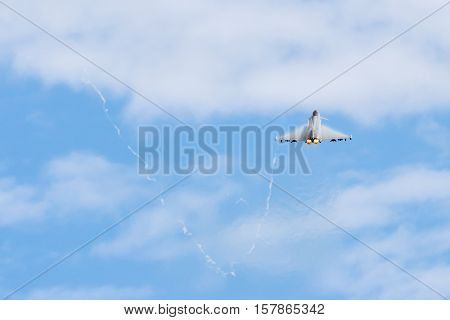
{"type": "Point", "coordinates": [208, 57]}
{"type": "Point", "coordinates": [376, 204]}
{"type": "Point", "coordinates": [72, 185]}
{"type": "Point", "coordinates": [87, 181]}
{"type": "Point", "coordinates": [436, 135]}
{"type": "Point", "coordinates": [19, 202]}
{"type": "Point", "coordinates": [90, 293]}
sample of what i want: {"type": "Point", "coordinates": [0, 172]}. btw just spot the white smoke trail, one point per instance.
{"type": "Point", "coordinates": [269, 196]}
{"type": "Point", "coordinates": [209, 260]}
{"type": "Point", "coordinates": [266, 212]}
{"type": "Point", "coordinates": [252, 248]}
{"type": "Point", "coordinates": [241, 200]}
{"type": "Point", "coordinates": [104, 107]}
{"type": "Point", "coordinates": [114, 124]}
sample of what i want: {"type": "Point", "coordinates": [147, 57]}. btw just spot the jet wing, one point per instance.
{"type": "Point", "coordinates": [333, 135]}
{"type": "Point", "coordinates": [299, 134]}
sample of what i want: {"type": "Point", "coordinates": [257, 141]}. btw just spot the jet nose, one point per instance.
{"type": "Point", "coordinates": [315, 113]}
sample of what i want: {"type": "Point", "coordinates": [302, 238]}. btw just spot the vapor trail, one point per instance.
{"type": "Point", "coordinates": [114, 124]}
{"type": "Point", "coordinates": [241, 200]}
{"type": "Point", "coordinates": [269, 196]}
{"type": "Point", "coordinates": [209, 260]}
{"type": "Point", "coordinates": [266, 212]}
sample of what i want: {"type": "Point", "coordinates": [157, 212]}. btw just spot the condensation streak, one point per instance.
{"type": "Point", "coordinates": [209, 260]}
{"type": "Point", "coordinates": [114, 124]}
{"type": "Point", "coordinates": [266, 212]}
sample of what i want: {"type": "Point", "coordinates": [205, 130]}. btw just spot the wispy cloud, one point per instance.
{"type": "Point", "coordinates": [435, 134]}
{"type": "Point", "coordinates": [91, 293]}
{"type": "Point", "coordinates": [75, 184]}
{"type": "Point", "coordinates": [19, 202]}
{"type": "Point", "coordinates": [253, 56]}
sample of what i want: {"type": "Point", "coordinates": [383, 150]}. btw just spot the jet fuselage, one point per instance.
{"type": "Point", "coordinates": [314, 125]}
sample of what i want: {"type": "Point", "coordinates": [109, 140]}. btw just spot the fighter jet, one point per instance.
{"type": "Point", "coordinates": [314, 132]}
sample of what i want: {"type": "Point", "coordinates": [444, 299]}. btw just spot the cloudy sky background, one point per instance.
{"type": "Point", "coordinates": [65, 174]}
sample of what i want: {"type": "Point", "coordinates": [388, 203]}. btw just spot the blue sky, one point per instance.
{"type": "Point", "coordinates": [65, 174]}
